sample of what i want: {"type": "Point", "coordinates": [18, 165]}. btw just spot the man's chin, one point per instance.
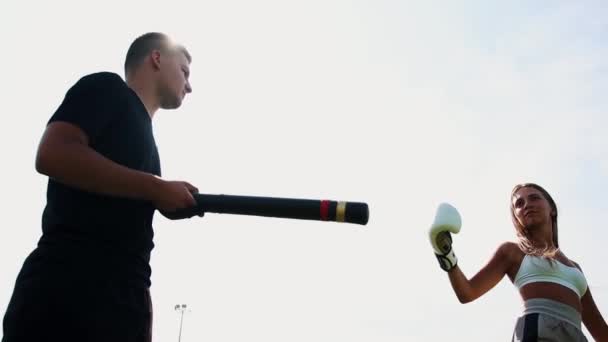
{"type": "Point", "coordinates": [171, 105]}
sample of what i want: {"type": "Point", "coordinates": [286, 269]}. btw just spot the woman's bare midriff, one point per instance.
{"type": "Point", "coordinates": [551, 291]}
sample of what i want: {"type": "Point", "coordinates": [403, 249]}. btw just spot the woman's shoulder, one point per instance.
{"type": "Point", "coordinates": [510, 249]}
{"type": "Point", "coordinates": [512, 257]}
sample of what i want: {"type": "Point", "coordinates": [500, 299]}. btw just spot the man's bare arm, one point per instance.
{"type": "Point", "coordinates": [64, 154]}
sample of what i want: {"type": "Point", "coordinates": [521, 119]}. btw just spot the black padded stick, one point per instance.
{"type": "Point", "coordinates": [292, 208]}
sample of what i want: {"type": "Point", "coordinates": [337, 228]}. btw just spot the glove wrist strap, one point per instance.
{"type": "Point", "coordinates": [447, 261]}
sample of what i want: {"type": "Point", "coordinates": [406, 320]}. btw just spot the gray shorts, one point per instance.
{"type": "Point", "coordinates": [548, 321]}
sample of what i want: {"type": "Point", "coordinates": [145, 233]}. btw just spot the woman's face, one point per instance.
{"type": "Point", "coordinates": [531, 208]}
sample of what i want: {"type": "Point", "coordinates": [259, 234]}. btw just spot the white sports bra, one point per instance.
{"type": "Point", "coordinates": [536, 269]}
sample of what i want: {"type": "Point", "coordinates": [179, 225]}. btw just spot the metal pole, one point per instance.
{"type": "Point", "coordinates": [181, 322]}
{"type": "Point", "coordinates": [181, 308]}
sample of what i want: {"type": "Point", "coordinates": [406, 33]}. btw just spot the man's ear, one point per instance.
{"type": "Point", "coordinates": [155, 58]}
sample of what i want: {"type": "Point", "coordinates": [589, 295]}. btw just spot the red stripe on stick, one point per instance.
{"type": "Point", "coordinates": [324, 210]}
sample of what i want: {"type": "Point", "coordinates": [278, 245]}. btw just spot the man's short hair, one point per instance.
{"type": "Point", "coordinates": [146, 43]}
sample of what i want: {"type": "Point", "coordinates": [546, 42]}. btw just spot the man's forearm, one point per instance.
{"type": "Point", "coordinates": [79, 166]}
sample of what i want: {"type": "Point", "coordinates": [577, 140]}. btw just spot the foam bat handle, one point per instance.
{"type": "Point", "coordinates": [292, 208]}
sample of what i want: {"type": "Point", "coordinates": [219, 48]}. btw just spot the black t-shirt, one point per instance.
{"type": "Point", "coordinates": [104, 234]}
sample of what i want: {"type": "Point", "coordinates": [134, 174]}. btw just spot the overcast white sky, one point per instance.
{"type": "Point", "coordinates": [400, 104]}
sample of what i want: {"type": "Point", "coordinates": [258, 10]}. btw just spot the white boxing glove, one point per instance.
{"type": "Point", "coordinates": [447, 220]}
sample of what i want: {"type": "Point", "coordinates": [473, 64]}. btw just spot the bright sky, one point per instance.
{"type": "Point", "coordinates": [400, 104]}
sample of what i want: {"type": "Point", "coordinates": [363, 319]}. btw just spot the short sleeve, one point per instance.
{"type": "Point", "coordinates": [92, 103]}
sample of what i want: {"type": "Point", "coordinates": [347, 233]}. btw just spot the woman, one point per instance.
{"type": "Point", "coordinates": [554, 289]}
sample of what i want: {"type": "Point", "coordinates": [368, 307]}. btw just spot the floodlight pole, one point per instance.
{"type": "Point", "coordinates": [181, 308]}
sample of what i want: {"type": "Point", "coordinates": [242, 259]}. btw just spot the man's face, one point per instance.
{"type": "Point", "coordinates": [174, 84]}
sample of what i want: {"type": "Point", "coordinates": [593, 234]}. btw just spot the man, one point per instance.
{"type": "Point", "coordinates": [89, 276]}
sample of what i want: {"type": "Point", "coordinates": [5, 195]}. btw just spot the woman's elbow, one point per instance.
{"type": "Point", "coordinates": [464, 300]}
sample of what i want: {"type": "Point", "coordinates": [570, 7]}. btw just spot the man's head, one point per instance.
{"type": "Point", "coordinates": [166, 65]}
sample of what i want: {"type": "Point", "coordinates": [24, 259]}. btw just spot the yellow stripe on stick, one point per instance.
{"type": "Point", "coordinates": [340, 211]}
